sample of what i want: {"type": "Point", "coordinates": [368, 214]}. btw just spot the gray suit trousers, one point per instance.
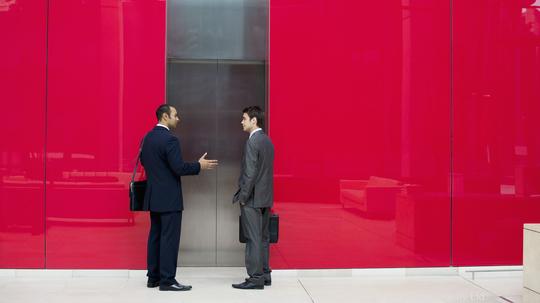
{"type": "Point", "coordinates": [255, 222]}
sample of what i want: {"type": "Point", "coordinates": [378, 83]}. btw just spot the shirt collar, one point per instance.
{"type": "Point", "coordinates": [254, 131]}
{"type": "Point", "coordinates": [159, 124]}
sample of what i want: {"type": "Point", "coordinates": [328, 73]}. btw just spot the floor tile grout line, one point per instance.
{"type": "Point", "coordinates": [532, 290]}
{"type": "Point", "coordinates": [489, 291]}
{"type": "Point", "coordinates": [305, 289]}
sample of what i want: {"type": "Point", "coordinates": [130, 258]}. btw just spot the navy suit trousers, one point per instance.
{"type": "Point", "coordinates": [163, 245]}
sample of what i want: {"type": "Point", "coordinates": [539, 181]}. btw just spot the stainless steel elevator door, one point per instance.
{"type": "Point", "coordinates": [216, 66]}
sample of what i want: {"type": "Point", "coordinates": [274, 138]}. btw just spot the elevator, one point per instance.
{"type": "Point", "coordinates": [216, 66]}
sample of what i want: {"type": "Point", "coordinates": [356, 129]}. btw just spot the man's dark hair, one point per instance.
{"type": "Point", "coordinates": [255, 112]}
{"type": "Point", "coordinates": [162, 109]}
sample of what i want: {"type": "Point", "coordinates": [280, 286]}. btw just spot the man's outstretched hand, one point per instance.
{"type": "Point", "coordinates": [206, 163]}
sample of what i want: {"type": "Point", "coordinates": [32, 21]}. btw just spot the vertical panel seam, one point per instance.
{"type": "Point", "coordinates": [451, 133]}
{"type": "Point", "coordinates": [47, 15]}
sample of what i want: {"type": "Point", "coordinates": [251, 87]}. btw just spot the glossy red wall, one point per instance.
{"type": "Point", "coordinates": [106, 74]}
{"type": "Point", "coordinates": [359, 115]}
{"type": "Point", "coordinates": [496, 121]}
{"type": "Point", "coordinates": [22, 133]}
{"type": "Point", "coordinates": [405, 132]}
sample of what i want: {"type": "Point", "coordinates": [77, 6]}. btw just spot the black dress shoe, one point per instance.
{"type": "Point", "coordinates": [267, 282]}
{"type": "Point", "coordinates": [152, 284]}
{"type": "Point", "coordinates": [175, 287]}
{"type": "Point", "coordinates": [248, 285]}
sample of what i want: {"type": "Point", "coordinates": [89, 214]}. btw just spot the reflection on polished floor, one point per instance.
{"type": "Point", "coordinates": [418, 285]}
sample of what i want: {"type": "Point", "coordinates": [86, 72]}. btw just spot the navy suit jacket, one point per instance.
{"type": "Point", "coordinates": [162, 160]}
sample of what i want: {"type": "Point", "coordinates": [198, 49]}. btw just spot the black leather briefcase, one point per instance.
{"type": "Point", "coordinates": [273, 227]}
{"type": "Point", "coordinates": [137, 189]}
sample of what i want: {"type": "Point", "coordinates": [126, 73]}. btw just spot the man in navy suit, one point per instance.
{"type": "Point", "coordinates": [162, 160]}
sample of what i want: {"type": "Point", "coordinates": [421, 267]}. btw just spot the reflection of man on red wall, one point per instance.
{"type": "Point", "coordinates": [5, 4]}
{"type": "Point", "coordinates": [531, 15]}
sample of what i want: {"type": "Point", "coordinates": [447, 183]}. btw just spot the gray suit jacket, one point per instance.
{"type": "Point", "coordinates": [256, 183]}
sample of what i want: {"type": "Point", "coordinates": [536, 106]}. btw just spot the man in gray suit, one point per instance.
{"type": "Point", "coordinates": [256, 196]}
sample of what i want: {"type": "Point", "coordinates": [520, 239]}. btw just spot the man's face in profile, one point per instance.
{"type": "Point", "coordinates": [173, 119]}
{"type": "Point", "coordinates": [248, 124]}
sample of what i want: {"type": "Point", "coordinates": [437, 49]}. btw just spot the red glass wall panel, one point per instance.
{"type": "Point", "coordinates": [497, 118]}
{"type": "Point", "coordinates": [22, 133]}
{"type": "Point", "coordinates": [106, 77]}
{"type": "Point", "coordinates": [359, 114]}
{"type": "Point", "coordinates": [359, 105]}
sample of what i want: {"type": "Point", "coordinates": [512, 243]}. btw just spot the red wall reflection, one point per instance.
{"type": "Point", "coordinates": [497, 118]}
{"type": "Point", "coordinates": [106, 73]}
{"type": "Point", "coordinates": [359, 115]}
{"type": "Point", "coordinates": [22, 133]}
{"type": "Point", "coordinates": [365, 100]}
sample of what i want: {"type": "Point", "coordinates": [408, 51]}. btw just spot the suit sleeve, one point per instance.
{"type": "Point", "coordinates": [174, 157]}
{"type": "Point", "coordinates": [250, 172]}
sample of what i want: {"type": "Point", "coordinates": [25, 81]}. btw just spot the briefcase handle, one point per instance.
{"type": "Point", "coordinates": [138, 159]}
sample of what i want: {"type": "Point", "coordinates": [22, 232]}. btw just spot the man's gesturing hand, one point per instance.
{"type": "Point", "coordinates": [207, 164]}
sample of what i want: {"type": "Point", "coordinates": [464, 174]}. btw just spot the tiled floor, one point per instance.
{"type": "Point", "coordinates": [214, 285]}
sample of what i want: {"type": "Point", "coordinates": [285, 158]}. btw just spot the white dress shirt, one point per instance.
{"type": "Point", "coordinates": [159, 124]}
